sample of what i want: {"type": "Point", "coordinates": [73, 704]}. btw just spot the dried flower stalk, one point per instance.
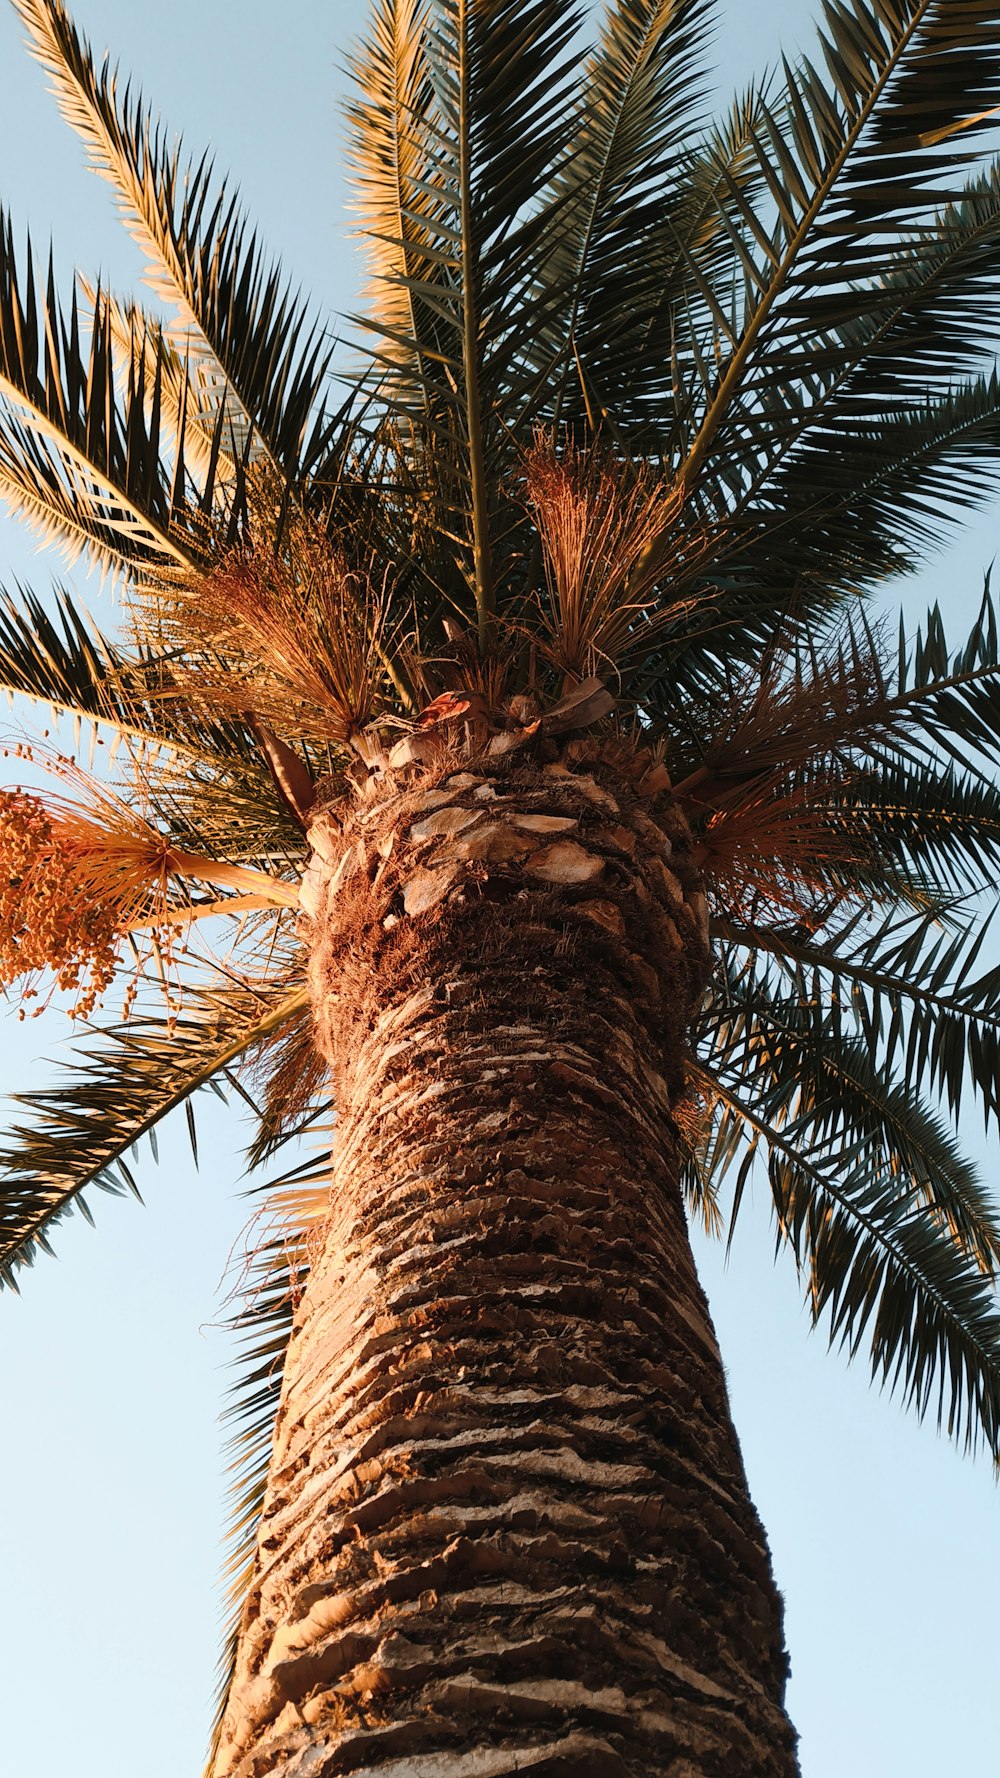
{"type": "Point", "coordinates": [75, 879]}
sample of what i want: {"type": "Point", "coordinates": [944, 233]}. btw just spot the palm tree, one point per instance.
{"type": "Point", "coordinates": [508, 743]}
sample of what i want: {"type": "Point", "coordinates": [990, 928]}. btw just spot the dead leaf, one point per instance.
{"type": "Point", "coordinates": [495, 844]}
{"type": "Point", "coordinates": [698, 903]}
{"type": "Point", "coordinates": [325, 836]}
{"type": "Point", "coordinates": [596, 793]}
{"type": "Point", "coordinates": [414, 750]}
{"type": "Point", "coordinates": [292, 777]}
{"type": "Point", "coordinates": [586, 704]}
{"type": "Point", "coordinates": [446, 708]}
{"type": "Point", "coordinates": [655, 780]}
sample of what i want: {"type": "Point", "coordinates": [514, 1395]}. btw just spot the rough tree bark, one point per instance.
{"type": "Point", "coordinates": [507, 1526]}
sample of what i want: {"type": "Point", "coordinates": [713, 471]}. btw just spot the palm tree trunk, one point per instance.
{"type": "Point", "coordinates": [507, 1527]}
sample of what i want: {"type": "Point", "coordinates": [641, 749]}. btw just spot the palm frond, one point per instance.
{"type": "Point", "coordinates": [85, 463]}
{"type": "Point", "coordinates": [195, 415]}
{"type": "Point", "coordinates": [204, 774]}
{"type": "Point", "coordinates": [916, 986]}
{"type": "Point", "coordinates": [890, 1276]}
{"type": "Point", "coordinates": [953, 698]}
{"type": "Point", "coordinates": [816, 1076]}
{"type": "Point", "coordinates": [910, 88]}
{"type": "Point", "coordinates": [474, 88]}
{"type": "Point", "coordinates": [117, 1090]}
{"type": "Point", "coordinates": [598, 525]}
{"type": "Point", "coordinates": [939, 826]}
{"type": "Point", "coordinates": [252, 338]}
{"type": "Point", "coordinates": [301, 647]}
{"type": "Point", "coordinates": [828, 697]}
{"type": "Point", "coordinates": [899, 1239]}
{"type": "Point", "coordinates": [54, 654]}
{"type": "Point", "coordinates": [625, 186]}
{"type": "Point", "coordinates": [390, 138]}
{"type": "Point", "coordinates": [875, 490]}
{"type": "Point", "coordinates": [882, 347]}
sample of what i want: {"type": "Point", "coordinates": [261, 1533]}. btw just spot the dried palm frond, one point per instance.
{"type": "Point", "coordinates": [796, 710]}
{"type": "Point", "coordinates": [300, 645]}
{"type": "Point", "coordinates": [693, 1120]}
{"type": "Point", "coordinates": [272, 1271]}
{"type": "Point", "coordinates": [597, 520]}
{"type": "Point", "coordinates": [767, 800]}
{"type": "Point", "coordinates": [779, 843]}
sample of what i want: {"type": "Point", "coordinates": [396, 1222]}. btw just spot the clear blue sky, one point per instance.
{"type": "Point", "coordinates": [886, 1542]}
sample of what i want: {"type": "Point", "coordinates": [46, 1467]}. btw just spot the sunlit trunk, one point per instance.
{"type": "Point", "coordinates": [507, 1527]}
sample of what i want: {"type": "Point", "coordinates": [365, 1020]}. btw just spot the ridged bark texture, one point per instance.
{"type": "Point", "coordinates": [508, 1528]}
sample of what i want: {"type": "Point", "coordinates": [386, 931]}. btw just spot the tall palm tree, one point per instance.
{"type": "Point", "coordinates": [508, 746]}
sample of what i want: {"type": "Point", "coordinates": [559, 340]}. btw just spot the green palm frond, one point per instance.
{"type": "Point", "coordinates": [889, 1275]}
{"type": "Point", "coordinates": [117, 1091]}
{"type": "Point", "coordinates": [955, 697]}
{"type": "Point", "coordinates": [239, 320]}
{"type": "Point", "coordinates": [916, 988]}
{"type": "Point", "coordinates": [865, 496]}
{"type": "Point", "coordinates": [472, 89]}
{"type": "Point", "coordinates": [816, 1076]}
{"type": "Point", "coordinates": [60, 660]}
{"type": "Point", "coordinates": [625, 186]}
{"type": "Point", "coordinates": [54, 655]}
{"type": "Point", "coordinates": [686, 284]}
{"type": "Point", "coordinates": [940, 702]}
{"type": "Point", "coordinates": [389, 151]}
{"type": "Point", "coordinates": [83, 461]}
{"type": "Point", "coordinates": [861, 491]}
{"type": "Point", "coordinates": [940, 828]}
{"type": "Point", "coordinates": [195, 413]}
{"type": "Point", "coordinates": [823, 692]}
{"type": "Point", "coordinates": [224, 802]}
{"type": "Point", "coordinates": [910, 88]}
{"type": "Point", "coordinates": [914, 330]}
{"type": "Point", "coordinates": [892, 1226]}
